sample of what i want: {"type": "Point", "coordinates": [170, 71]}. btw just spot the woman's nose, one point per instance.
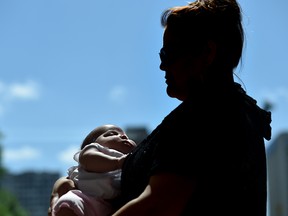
{"type": "Point", "coordinates": [162, 66]}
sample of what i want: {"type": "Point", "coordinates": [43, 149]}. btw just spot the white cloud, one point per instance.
{"type": "Point", "coordinates": [26, 91]}
{"type": "Point", "coordinates": [66, 156]}
{"type": "Point", "coordinates": [23, 153]}
{"type": "Point", "coordinates": [118, 94]}
{"type": "Point", "coordinates": [29, 90]}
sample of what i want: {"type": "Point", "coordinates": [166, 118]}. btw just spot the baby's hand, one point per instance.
{"type": "Point", "coordinates": [61, 186]}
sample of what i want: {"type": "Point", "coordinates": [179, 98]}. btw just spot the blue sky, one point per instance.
{"type": "Point", "coordinates": [67, 66]}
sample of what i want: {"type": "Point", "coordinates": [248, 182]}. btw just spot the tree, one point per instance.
{"type": "Point", "coordinates": [9, 205]}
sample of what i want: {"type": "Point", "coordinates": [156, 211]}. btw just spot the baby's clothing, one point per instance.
{"type": "Point", "coordinates": [104, 185]}
{"type": "Point", "coordinates": [82, 204]}
{"type": "Point", "coordinates": [93, 188]}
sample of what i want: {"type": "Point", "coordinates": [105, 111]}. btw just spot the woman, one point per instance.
{"type": "Point", "coordinates": [207, 157]}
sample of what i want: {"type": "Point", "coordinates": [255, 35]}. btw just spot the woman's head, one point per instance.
{"type": "Point", "coordinates": [110, 136]}
{"type": "Point", "coordinates": [208, 34]}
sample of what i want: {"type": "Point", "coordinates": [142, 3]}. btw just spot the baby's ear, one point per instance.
{"type": "Point", "coordinates": [210, 51]}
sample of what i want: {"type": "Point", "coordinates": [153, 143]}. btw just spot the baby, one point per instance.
{"type": "Point", "coordinates": [96, 178]}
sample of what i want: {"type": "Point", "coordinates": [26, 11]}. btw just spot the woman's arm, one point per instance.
{"type": "Point", "coordinates": [166, 194]}
{"type": "Point", "coordinates": [92, 160]}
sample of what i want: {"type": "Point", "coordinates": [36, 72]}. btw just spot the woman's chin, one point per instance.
{"type": "Point", "coordinates": [174, 94]}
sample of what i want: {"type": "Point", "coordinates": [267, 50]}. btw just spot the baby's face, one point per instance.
{"type": "Point", "coordinates": [115, 138]}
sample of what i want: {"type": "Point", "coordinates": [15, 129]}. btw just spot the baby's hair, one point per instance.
{"type": "Point", "coordinates": [95, 133]}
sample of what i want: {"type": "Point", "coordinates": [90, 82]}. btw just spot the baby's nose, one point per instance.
{"type": "Point", "coordinates": [124, 136]}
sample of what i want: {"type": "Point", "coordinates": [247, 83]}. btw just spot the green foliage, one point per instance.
{"type": "Point", "coordinates": [9, 205]}
{"type": "Point", "coordinates": [2, 172]}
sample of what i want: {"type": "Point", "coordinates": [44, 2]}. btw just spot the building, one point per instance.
{"type": "Point", "coordinates": [277, 163]}
{"type": "Point", "coordinates": [32, 189]}
{"type": "Point", "coordinates": [137, 133]}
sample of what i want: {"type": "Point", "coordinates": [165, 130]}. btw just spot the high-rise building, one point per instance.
{"type": "Point", "coordinates": [32, 189]}
{"type": "Point", "coordinates": [277, 163]}
{"type": "Point", "coordinates": [137, 133]}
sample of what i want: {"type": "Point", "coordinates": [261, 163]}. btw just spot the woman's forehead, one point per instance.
{"type": "Point", "coordinates": [173, 39]}
{"type": "Point", "coordinates": [168, 36]}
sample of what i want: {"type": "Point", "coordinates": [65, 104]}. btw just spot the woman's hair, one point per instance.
{"type": "Point", "coordinates": [217, 20]}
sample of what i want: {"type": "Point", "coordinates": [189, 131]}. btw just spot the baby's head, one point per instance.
{"type": "Point", "coordinates": [110, 136]}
